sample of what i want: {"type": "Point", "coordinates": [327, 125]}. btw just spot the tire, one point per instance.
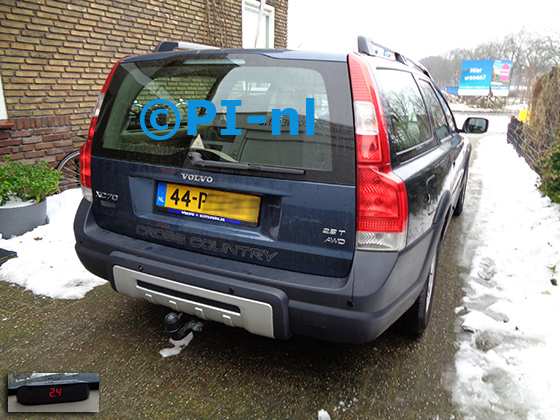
{"type": "Point", "coordinates": [461, 202]}
{"type": "Point", "coordinates": [415, 321]}
{"type": "Point", "coordinates": [69, 167]}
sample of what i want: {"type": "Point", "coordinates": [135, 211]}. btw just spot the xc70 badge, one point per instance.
{"type": "Point", "coordinates": [106, 196]}
{"type": "Point", "coordinates": [107, 199]}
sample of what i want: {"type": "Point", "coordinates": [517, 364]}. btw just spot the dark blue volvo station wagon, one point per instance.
{"type": "Point", "coordinates": [283, 192]}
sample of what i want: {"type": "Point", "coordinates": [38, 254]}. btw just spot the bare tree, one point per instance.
{"type": "Point", "coordinates": [531, 54]}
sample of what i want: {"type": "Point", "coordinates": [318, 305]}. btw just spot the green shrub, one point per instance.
{"type": "Point", "coordinates": [549, 171]}
{"type": "Point", "coordinates": [543, 132]}
{"type": "Point", "coordinates": [27, 181]}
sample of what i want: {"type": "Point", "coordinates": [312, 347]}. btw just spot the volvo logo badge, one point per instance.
{"type": "Point", "coordinates": [198, 178]}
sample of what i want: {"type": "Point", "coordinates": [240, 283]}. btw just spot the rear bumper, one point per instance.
{"type": "Point", "coordinates": [266, 301]}
{"type": "Point", "coordinates": [254, 315]}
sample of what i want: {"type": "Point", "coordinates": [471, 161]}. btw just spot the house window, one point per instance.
{"type": "Point", "coordinates": [255, 35]}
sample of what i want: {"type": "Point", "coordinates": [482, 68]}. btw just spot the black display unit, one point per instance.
{"type": "Point", "coordinates": [52, 393]}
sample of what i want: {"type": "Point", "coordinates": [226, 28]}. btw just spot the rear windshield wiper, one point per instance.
{"type": "Point", "coordinates": [197, 160]}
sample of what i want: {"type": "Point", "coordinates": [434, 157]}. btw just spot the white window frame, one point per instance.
{"type": "Point", "coordinates": [248, 39]}
{"type": "Point", "coordinates": [3, 112]}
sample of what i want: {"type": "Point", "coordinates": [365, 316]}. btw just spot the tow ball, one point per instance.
{"type": "Point", "coordinates": [178, 325]}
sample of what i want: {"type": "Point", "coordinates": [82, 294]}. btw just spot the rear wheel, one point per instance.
{"type": "Point", "coordinates": [415, 320]}
{"type": "Point", "coordinates": [69, 167]}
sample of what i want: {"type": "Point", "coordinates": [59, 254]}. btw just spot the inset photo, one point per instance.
{"type": "Point", "coordinates": [53, 392]}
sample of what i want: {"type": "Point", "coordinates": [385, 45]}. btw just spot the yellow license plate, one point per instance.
{"type": "Point", "coordinates": [208, 204]}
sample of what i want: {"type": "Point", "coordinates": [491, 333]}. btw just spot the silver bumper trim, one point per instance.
{"type": "Point", "coordinates": [254, 316]}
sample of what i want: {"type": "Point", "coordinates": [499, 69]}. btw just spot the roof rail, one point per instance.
{"type": "Point", "coordinates": [367, 46]}
{"type": "Point", "coordinates": [171, 45]}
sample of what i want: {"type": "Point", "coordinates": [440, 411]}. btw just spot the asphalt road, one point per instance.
{"type": "Point", "coordinates": [228, 373]}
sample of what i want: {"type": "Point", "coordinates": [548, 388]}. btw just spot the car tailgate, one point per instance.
{"type": "Point", "coordinates": [307, 227]}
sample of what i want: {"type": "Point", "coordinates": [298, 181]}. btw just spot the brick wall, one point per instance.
{"type": "Point", "coordinates": [55, 56]}
{"type": "Point", "coordinates": [45, 138]}
{"type": "Point", "coordinates": [280, 22]}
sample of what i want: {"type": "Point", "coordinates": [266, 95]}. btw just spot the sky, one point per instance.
{"type": "Point", "coordinates": [416, 29]}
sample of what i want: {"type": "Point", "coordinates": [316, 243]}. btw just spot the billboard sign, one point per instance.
{"type": "Point", "coordinates": [475, 77]}
{"type": "Point", "coordinates": [480, 77]}
{"type": "Point", "coordinates": [501, 77]}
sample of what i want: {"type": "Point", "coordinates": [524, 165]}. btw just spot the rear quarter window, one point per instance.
{"type": "Point", "coordinates": [442, 127]}
{"type": "Point", "coordinates": [407, 119]}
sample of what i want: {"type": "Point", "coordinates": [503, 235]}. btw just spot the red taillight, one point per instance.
{"type": "Point", "coordinates": [382, 205]}
{"type": "Point", "coordinates": [85, 150]}
{"type": "Point", "coordinates": [85, 156]}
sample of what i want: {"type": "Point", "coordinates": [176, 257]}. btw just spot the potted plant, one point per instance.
{"type": "Point", "coordinates": [23, 192]}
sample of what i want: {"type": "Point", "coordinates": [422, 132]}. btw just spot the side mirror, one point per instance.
{"type": "Point", "coordinates": [475, 125]}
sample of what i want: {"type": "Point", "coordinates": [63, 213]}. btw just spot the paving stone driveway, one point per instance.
{"type": "Point", "coordinates": [228, 373]}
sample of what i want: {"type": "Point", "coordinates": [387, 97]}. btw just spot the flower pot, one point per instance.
{"type": "Point", "coordinates": [18, 220]}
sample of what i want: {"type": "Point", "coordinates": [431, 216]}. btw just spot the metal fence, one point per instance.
{"type": "Point", "coordinates": [529, 143]}
{"type": "Point", "coordinates": [519, 136]}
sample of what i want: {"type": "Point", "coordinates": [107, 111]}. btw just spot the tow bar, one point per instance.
{"type": "Point", "coordinates": [178, 325]}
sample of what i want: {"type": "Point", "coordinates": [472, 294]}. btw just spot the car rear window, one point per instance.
{"type": "Point", "coordinates": [307, 102]}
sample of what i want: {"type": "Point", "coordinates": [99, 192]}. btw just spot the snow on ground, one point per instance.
{"type": "Point", "coordinates": [512, 108]}
{"type": "Point", "coordinates": [178, 345]}
{"type": "Point", "coordinates": [47, 263]}
{"type": "Point", "coordinates": [511, 340]}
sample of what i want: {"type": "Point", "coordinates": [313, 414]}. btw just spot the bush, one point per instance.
{"type": "Point", "coordinates": [543, 132]}
{"type": "Point", "coordinates": [27, 182]}
{"type": "Point", "coordinates": [545, 111]}
{"type": "Point", "coordinates": [549, 171]}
